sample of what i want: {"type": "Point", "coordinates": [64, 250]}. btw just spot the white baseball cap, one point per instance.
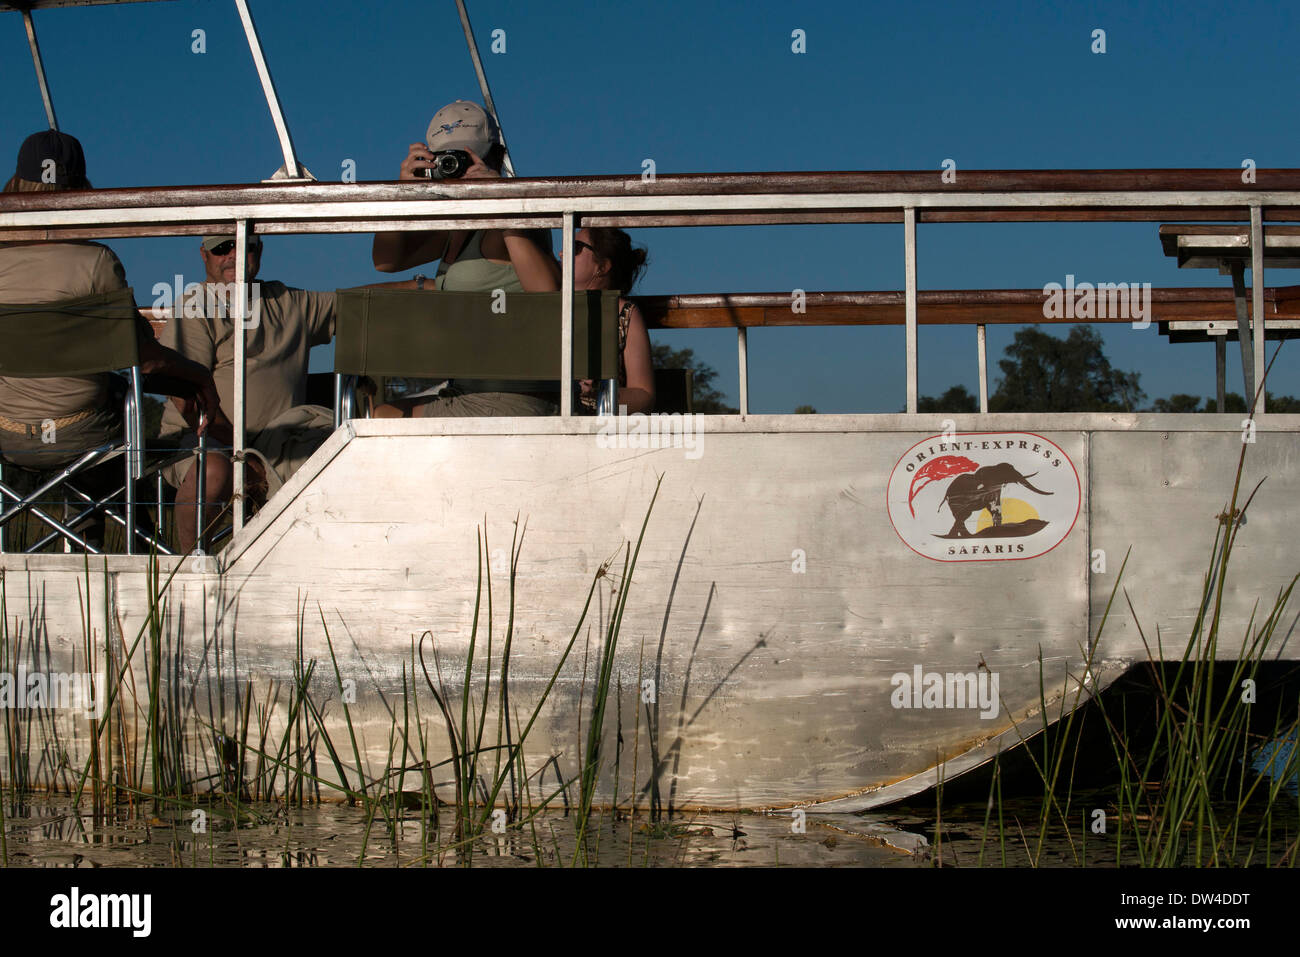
{"type": "Point", "coordinates": [463, 125]}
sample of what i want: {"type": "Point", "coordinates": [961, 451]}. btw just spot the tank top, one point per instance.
{"type": "Point", "coordinates": [472, 273]}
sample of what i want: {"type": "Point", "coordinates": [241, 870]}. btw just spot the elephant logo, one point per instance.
{"type": "Point", "coordinates": [995, 496]}
{"type": "Point", "coordinates": [972, 492]}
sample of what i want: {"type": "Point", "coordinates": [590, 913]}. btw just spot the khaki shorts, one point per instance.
{"type": "Point", "coordinates": [284, 446]}
{"type": "Point", "coordinates": [103, 427]}
{"type": "Point", "coordinates": [453, 404]}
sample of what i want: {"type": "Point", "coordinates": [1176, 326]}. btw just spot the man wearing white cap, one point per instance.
{"type": "Point", "coordinates": [516, 260]}
{"type": "Point", "coordinates": [510, 260]}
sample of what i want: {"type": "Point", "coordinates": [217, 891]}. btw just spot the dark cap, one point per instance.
{"type": "Point", "coordinates": [69, 166]}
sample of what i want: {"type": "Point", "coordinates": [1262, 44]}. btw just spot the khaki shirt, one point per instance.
{"type": "Point", "coordinates": [289, 323]}
{"type": "Point", "coordinates": [48, 272]}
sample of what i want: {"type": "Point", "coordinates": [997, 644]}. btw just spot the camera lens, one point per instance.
{"type": "Point", "coordinates": [448, 165]}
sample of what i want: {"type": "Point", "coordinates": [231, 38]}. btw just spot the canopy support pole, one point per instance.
{"type": "Point", "coordinates": [506, 166]}
{"type": "Point", "coordinates": [268, 88]}
{"type": "Point", "coordinates": [40, 69]}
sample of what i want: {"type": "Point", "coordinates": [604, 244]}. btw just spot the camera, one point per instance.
{"type": "Point", "coordinates": [447, 164]}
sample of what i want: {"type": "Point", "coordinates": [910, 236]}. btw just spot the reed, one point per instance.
{"type": "Point", "coordinates": [154, 745]}
{"type": "Point", "coordinates": [1203, 733]}
{"type": "Point", "coordinates": [600, 695]}
{"type": "Point", "coordinates": [1180, 801]}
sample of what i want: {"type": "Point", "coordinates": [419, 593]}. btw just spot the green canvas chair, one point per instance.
{"type": "Point", "coordinates": [76, 337]}
{"type": "Point", "coordinates": [458, 335]}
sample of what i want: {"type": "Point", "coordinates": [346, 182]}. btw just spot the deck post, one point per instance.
{"type": "Point", "coordinates": [40, 69]}
{"type": "Point", "coordinates": [742, 356]}
{"type": "Point", "coordinates": [1220, 371]}
{"type": "Point", "coordinates": [1257, 301]}
{"type": "Point", "coordinates": [1244, 339]}
{"type": "Point", "coordinates": [201, 492]}
{"type": "Point", "coordinates": [981, 346]}
{"type": "Point", "coordinates": [566, 313]}
{"type": "Point", "coordinates": [238, 413]}
{"type": "Point", "coordinates": [268, 88]}
{"type": "Point", "coordinates": [134, 428]}
{"type": "Point", "coordinates": [909, 266]}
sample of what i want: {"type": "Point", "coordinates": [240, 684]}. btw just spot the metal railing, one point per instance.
{"type": "Point", "coordinates": [568, 203]}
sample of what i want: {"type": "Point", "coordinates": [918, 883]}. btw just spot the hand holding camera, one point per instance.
{"type": "Point", "coordinates": [447, 164]}
{"type": "Point", "coordinates": [423, 163]}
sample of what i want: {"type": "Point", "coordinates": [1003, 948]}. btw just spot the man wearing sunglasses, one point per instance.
{"type": "Point", "coordinates": [280, 327]}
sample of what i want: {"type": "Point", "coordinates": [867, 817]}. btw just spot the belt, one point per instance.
{"type": "Point", "coordinates": [31, 431]}
{"type": "Point", "coordinates": [537, 389]}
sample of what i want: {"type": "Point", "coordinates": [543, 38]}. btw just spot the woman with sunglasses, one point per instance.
{"type": "Point", "coordinates": [603, 258]}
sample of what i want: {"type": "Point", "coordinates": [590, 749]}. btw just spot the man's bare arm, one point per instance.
{"type": "Point", "coordinates": [396, 251]}
{"type": "Point", "coordinates": [156, 358]}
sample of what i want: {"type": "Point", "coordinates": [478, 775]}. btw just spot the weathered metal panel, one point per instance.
{"type": "Point", "coordinates": [776, 608]}
{"type": "Point", "coordinates": [1160, 493]}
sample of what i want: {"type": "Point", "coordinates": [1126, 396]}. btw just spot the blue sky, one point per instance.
{"type": "Point", "coordinates": [595, 88]}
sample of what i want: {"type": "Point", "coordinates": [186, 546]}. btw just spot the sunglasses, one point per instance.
{"type": "Point", "coordinates": [224, 249]}
{"type": "Point", "coordinates": [579, 246]}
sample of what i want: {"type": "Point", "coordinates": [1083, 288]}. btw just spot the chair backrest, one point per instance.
{"type": "Point", "coordinates": [69, 337]}
{"type": "Point", "coordinates": [473, 335]}
{"type": "Point", "coordinates": [674, 390]}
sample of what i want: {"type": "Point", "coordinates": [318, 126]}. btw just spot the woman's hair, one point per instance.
{"type": "Point", "coordinates": [625, 261]}
{"type": "Point", "coordinates": [495, 157]}
{"type": "Point", "coordinates": [17, 184]}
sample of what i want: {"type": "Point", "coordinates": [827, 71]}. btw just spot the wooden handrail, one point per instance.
{"type": "Point", "coordinates": [820, 197]}
{"type": "Point", "coordinates": [934, 307]}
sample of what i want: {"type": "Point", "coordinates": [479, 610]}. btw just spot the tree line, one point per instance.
{"type": "Point", "coordinates": [1043, 373]}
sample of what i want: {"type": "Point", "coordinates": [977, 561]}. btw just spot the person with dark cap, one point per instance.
{"type": "Point", "coordinates": [49, 422]}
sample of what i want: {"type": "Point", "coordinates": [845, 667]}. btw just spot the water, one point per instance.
{"type": "Point", "coordinates": [46, 831]}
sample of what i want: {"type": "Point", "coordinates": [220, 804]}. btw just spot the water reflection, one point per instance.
{"type": "Point", "coordinates": [49, 832]}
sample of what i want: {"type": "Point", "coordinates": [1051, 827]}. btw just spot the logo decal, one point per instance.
{"type": "Point", "coordinates": [447, 128]}
{"type": "Point", "coordinates": [984, 496]}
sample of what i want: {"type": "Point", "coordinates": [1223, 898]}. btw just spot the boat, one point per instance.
{"type": "Point", "coordinates": [825, 612]}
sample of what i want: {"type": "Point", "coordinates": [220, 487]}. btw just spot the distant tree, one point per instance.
{"type": "Point", "coordinates": [805, 410]}
{"type": "Point", "coordinates": [1281, 403]}
{"type": "Point", "coordinates": [1233, 402]}
{"type": "Point", "coordinates": [704, 397]}
{"type": "Point", "coordinates": [1045, 374]}
{"type": "Point", "coordinates": [956, 399]}
{"type": "Point", "coordinates": [1178, 402]}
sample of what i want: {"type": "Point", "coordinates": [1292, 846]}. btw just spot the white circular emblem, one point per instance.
{"type": "Point", "coordinates": [984, 496]}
